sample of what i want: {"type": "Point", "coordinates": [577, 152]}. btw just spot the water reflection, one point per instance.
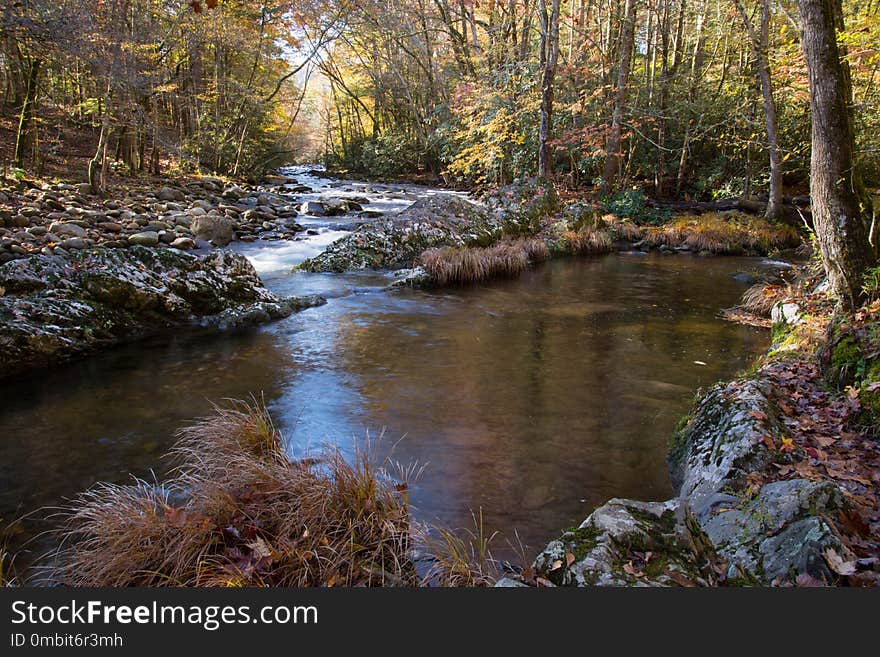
{"type": "Point", "coordinates": [535, 398]}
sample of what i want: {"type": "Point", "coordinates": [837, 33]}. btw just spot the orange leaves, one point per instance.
{"type": "Point", "coordinates": [196, 5]}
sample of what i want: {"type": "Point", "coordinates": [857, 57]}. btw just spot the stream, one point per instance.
{"type": "Point", "coordinates": [534, 399]}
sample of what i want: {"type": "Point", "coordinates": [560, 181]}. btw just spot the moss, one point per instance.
{"type": "Point", "coordinates": [580, 540]}
{"type": "Point", "coordinates": [846, 354]}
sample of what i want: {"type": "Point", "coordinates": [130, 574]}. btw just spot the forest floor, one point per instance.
{"type": "Point", "coordinates": [823, 372]}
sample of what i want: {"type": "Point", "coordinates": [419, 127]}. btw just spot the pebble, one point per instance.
{"type": "Point", "coordinates": [150, 238]}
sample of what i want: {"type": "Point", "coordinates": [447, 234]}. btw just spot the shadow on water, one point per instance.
{"type": "Point", "coordinates": [535, 398]}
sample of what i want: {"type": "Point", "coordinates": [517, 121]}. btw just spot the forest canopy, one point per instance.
{"type": "Point", "coordinates": [682, 98]}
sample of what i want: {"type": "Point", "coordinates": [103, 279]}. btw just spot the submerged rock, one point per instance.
{"type": "Point", "coordinates": [59, 306]}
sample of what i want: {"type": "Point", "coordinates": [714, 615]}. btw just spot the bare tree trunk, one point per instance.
{"type": "Point", "coordinates": [842, 213]}
{"type": "Point", "coordinates": [760, 43]}
{"type": "Point", "coordinates": [612, 157]}
{"type": "Point", "coordinates": [549, 55]}
{"type": "Point", "coordinates": [97, 164]}
{"type": "Point", "coordinates": [23, 136]}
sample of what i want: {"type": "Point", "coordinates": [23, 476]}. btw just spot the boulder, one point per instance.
{"type": "Point", "coordinates": [217, 230]}
{"type": "Point", "coordinates": [170, 194]}
{"type": "Point", "coordinates": [67, 229]}
{"type": "Point", "coordinates": [184, 243]}
{"type": "Point", "coordinates": [396, 243]}
{"type": "Point", "coordinates": [313, 208]}
{"type": "Point", "coordinates": [719, 527]}
{"type": "Point", "coordinates": [56, 307]}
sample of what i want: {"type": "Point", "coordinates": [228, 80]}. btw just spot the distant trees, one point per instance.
{"type": "Point", "coordinates": [699, 98]}
{"type": "Point", "coordinates": [206, 83]}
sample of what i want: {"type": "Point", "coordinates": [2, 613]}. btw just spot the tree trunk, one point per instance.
{"type": "Point", "coordinates": [96, 164]}
{"type": "Point", "coordinates": [612, 157]}
{"type": "Point", "coordinates": [24, 133]}
{"type": "Point", "coordinates": [549, 55]}
{"type": "Point", "coordinates": [760, 45]}
{"type": "Point", "coordinates": [842, 213]}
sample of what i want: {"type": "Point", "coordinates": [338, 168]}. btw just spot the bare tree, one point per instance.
{"type": "Point", "coordinates": [760, 41]}
{"type": "Point", "coordinates": [612, 157]}
{"type": "Point", "coordinates": [549, 56]}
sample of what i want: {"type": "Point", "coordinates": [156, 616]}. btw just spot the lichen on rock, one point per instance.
{"type": "Point", "coordinates": [59, 306]}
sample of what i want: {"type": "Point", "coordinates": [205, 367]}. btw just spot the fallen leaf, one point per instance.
{"type": "Point", "coordinates": [805, 580]}
{"type": "Point", "coordinates": [838, 565]}
{"type": "Point", "coordinates": [680, 579]}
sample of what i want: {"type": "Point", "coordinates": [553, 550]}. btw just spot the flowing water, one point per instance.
{"type": "Point", "coordinates": [533, 398]}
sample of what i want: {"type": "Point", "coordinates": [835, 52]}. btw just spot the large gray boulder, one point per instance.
{"type": "Point", "coordinates": [218, 230]}
{"type": "Point", "coordinates": [723, 526]}
{"type": "Point", "coordinates": [396, 243]}
{"type": "Point", "coordinates": [54, 307]}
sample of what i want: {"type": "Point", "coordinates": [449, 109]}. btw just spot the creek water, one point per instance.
{"type": "Point", "coordinates": [533, 399]}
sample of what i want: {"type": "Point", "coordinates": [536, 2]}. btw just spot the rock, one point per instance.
{"type": "Point", "coordinates": [596, 553]}
{"type": "Point", "coordinates": [335, 206]}
{"type": "Point", "coordinates": [435, 221]}
{"type": "Point", "coordinates": [74, 243]}
{"type": "Point", "coordinates": [84, 189]}
{"type": "Point", "coordinates": [415, 277]}
{"type": "Point", "coordinates": [786, 312]}
{"type": "Point", "coordinates": [214, 229]}
{"type": "Point", "coordinates": [122, 294]}
{"type": "Point", "coordinates": [780, 529]}
{"type": "Point", "coordinates": [233, 193]}
{"type": "Point", "coordinates": [110, 226]}
{"type": "Point", "coordinates": [147, 238]}
{"type": "Point", "coordinates": [67, 228]}
{"type": "Point", "coordinates": [313, 208]}
{"type": "Point", "coordinates": [184, 243]}
{"type": "Point", "coordinates": [170, 194]}
{"type": "Point", "coordinates": [718, 525]}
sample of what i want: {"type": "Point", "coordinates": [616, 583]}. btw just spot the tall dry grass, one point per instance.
{"type": "Point", "coordinates": [237, 512]}
{"type": "Point", "coordinates": [587, 240]}
{"type": "Point", "coordinates": [760, 298]}
{"type": "Point", "coordinates": [460, 266]}
{"type": "Point", "coordinates": [732, 233]}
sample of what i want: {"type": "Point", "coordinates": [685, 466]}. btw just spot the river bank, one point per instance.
{"type": "Point", "coordinates": [777, 474]}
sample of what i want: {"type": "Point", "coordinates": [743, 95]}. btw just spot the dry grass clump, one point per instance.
{"type": "Point", "coordinates": [760, 298]}
{"type": "Point", "coordinates": [625, 231]}
{"type": "Point", "coordinates": [461, 558]}
{"type": "Point", "coordinates": [732, 233]}
{"type": "Point", "coordinates": [587, 240]}
{"type": "Point", "coordinates": [458, 266]}
{"type": "Point", "coordinates": [237, 512]}
{"type": "Point", "coordinates": [7, 578]}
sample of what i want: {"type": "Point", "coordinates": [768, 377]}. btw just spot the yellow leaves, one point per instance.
{"type": "Point", "coordinates": [787, 445]}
